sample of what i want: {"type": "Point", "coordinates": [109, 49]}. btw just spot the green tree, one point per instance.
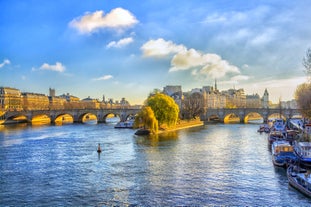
{"type": "Point", "coordinates": [165, 109]}
{"type": "Point", "coordinates": [147, 120]}
{"type": "Point", "coordinates": [303, 98]}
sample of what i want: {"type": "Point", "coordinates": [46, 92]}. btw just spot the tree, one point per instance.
{"type": "Point", "coordinates": [303, 98]}
{"type": "Point", "coordinates": [146, 119]}
{"type": "Point", "coordinates": [303, 91]}
{"type": "Point", "coordinates": [192, 105]}
{"type": "Point", "coordinates": [164, 107]}
{"type": "Point", "coordinates": [306, 61]}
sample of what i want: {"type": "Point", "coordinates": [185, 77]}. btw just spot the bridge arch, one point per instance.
{"type": "Point", "coordinates": [232, 118]}
{"type": "Point", "coordinates": [253, 116]}
{"type": "Point", "coordinates": [40, 119]}
{"type": "Point", "coordinates": [213, 118]}
{"type": "Point", "coordinates": [277, 115]}
{"type": "Point", "coordinates": [17, 118]}
{"type": "Point", "coordinates": [63, 118]}
{"type": "Point", "coordinates": [86, 117]}
{"type": "Point", "coordinates": [109, 115]}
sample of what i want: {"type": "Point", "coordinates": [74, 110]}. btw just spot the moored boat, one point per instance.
{"type": "Point", "coordinates": [282, 153]}
{"type": "Point", "coordinates": [291, 135]}
{"type": "Point", "coordinates": [275, 136]}
{"type": "Point", "coordinates": [129, 123]}
{"type": "Point", "coordinates": [125, 124]}
{"type": "Point", "coordinates": [279, 125]}
{"type": "Point", "coordinates": [303, 153]}
{"type": "Point", "coordinates": [142, 132]}
{"type": "Point", "coordinates": [299, 179]}
{"type": "Point", "coordinates": [264, 128]}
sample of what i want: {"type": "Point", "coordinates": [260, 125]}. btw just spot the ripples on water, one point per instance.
{"type": "Point", "coordinates": [210, 165]}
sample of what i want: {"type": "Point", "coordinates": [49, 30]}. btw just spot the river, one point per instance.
{"type": "Point", "coordinates": [208, 165]}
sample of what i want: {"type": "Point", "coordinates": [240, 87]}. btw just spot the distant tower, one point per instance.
{"type": "Point", "coordinates": [215, 84]}
{"type": "Point", "coordinates": [265, 99]}
{"type": "Point", "coordinates": [104, 99]}
{"type": "Point", "coordinates": [52, 92]}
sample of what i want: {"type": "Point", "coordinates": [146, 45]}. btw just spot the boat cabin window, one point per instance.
{"type": "Point", "coordinates": [287, 149]}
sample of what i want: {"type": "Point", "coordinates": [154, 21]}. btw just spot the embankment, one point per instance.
{"type": "Point", "coordinates": [183, 124]}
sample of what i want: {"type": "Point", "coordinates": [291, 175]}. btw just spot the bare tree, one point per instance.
{"type": "Point", "coordinates": [192, 105]}
{"type": "Point", "coordinates": [303, 98]}
{"type": "Point", "coordinates": [306, 61]}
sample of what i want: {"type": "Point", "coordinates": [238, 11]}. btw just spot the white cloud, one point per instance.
{"type": "Point", "coordinates": [218, 68]}
{"type": "Point", "coordinates": [236, 80]}
{"type": "Point", "coordinates": [59, 67]}
{"type": "Point", "coordinates": [5, 62]}
{"type": "Point", "coordinates": [200, 64]}
{"type": "Point", "coordinates": [120, 43]}
{"type": "Point", "coordinates": [188, 59]}
{"type": "Point", "coordinates": [210, 65]}
{"type": "Point", "coordinates": [240, 78]}
{"type": "Point", "coordinates": [160, 48]}
{"type": "Point", "coordinates": [116, 19]}
{"type": "Point", "coordinates": [105, 77]}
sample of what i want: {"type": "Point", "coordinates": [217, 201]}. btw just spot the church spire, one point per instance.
{"type": "Point", "coordinates": [215, 84]}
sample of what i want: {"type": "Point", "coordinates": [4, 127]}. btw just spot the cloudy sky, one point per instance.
{"type": "Point", "coordinates": [127, 48]}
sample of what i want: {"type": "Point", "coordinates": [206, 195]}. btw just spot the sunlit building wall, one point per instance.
{"type": "Point", "coordinates": [10, 99]}
{"type": "Point", "coordinates": [235, 98]}
{"type": "Point", "coordinates": [35, 101]}
{"type": "Point", "coordinates": [213, 98]}
{"type": "Point", "coordinates": [91, 103]}
{"type": "Point", "coordinates": [57, 103]}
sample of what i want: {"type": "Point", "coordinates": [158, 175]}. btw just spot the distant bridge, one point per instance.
{"type": "Point", "coordinates": [244, 113]}
{"type": "Point", "coordinates": [77, 114]}
{"type": "Point", "coordinates": [123, 113]}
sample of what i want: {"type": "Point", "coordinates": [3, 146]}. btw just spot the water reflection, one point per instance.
{"type": "Point", "coordinates": [211, 165]}
{"type": "Point", "coordinates": [156, 139]}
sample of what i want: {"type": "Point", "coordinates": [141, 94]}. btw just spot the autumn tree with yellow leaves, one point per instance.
{"type": "Point", "coordinates": [159, 110]}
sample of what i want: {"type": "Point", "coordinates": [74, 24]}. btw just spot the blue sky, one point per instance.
{"type": "Point", "coordinates": [127, 48]}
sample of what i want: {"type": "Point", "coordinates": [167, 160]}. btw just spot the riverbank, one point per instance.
{"type": "Point", "coordinates": [182, 124]}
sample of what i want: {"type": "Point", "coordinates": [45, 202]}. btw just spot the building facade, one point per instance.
{"type": "Point", "coordinates": [35, 101]}
{"type": "Point", "coordinates": [175, 92]}
{"type": "Point", "coordinates": [10, 99]}
{"type": "Point", "coordinates": [253, 101]}
{"type": "Point", "coordinates": [265, 99]}
{"type": "Point", "coordinates": [235, 98]}
{"type": "Point", "coordinates": [213, 98]}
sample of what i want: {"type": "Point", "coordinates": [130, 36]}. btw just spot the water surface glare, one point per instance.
{"type": "Point", "coordinates": [209, 165]}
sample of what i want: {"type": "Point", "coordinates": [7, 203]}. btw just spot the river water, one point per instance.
{"type": "Point", "coordinates": [209, 165]}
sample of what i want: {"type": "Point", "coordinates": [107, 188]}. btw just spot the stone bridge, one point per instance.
{"type": "Point", "coordinates": [243, 113]}
{"type": "Point", "coordinates": [76, 114]}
